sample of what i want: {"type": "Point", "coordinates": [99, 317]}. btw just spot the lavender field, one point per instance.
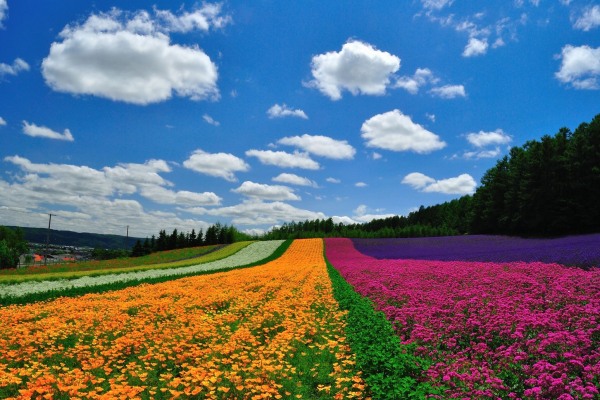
{"type": "Point", "coordinates": [581, 251]}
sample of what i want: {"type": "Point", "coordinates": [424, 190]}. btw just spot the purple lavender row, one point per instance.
{"type": "Point", "coordinates": [581, 251]}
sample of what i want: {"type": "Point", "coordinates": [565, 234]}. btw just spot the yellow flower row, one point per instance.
{"type": "Point", "coordinates": [273, 331]}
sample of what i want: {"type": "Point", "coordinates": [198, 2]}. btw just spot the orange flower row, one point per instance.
{"type": "Point", "coordinates": [273, 331]}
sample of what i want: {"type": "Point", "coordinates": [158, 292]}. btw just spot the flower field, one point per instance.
{"type": "Point", "coordinates": [116, 266]}
{"type": "Point", "coordinates": [247, 255]}
{"type": "Point", "coordinates": [272, 331]}
{"type": "Point", "coordinates": [489, 329]}
{"type": "Point", "coordinates": [581, 251]}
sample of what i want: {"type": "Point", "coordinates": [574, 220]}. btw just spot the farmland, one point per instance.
{"type": "Point", "coordinates": [300, 321]}
{"type": "Point", "coordinates": [272, 331]}
{"type": "Point", "coordinates": [490, 329]}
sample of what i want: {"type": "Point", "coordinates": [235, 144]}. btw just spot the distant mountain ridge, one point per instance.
{"type": "Point", "coordinates": [79, 239]}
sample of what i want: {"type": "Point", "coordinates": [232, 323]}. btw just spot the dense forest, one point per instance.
{"type": "Point", "coordinates": [547, 187]}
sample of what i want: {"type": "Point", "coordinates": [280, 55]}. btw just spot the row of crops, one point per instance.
{"type": "Point", "coordinates": [298, 319]}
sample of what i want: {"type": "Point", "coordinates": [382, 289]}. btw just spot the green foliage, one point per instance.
{"type": "Point", "coordinates": [544, 188]}
{"type": "Point", "coordinates": [109, 254]}
{"type": "Point", "coordinates": [12, 245]}
{"type": "Point", "coordinates": [390, 369]}
{"type": "Point", "coordinates": [440, 220]}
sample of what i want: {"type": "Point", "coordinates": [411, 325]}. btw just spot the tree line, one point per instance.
{"type": "Point", "coordinates": [547, 187]}
{"type": "Point", "coordinates": [215, 234]}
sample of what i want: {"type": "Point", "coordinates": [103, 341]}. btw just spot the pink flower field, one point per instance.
{"type": "Point", "coordinates": [511, 330]}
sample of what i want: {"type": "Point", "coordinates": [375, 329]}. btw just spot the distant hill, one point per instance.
{"type": "Point", "coordinates": [79, 239]}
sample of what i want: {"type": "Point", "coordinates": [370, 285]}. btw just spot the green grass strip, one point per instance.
{"type": "Point", "coordinates": [73, 292]}
{"type": "Point", "coordinates": [390, 369]}
{"type": "Point", "coordinates": [212, 256]}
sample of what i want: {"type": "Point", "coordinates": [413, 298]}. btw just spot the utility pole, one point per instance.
{"type": "Point", "coordinates": [47, 239]}
{"type": "Point", "coordinates": [127, 238]}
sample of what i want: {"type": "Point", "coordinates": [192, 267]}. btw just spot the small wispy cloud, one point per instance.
{"type": "Point", "coordinates": [281, 111]}
{"type": "Point", "coordinates": [210, 120]}
{"type": "Point", "coordinates": [41, 131]}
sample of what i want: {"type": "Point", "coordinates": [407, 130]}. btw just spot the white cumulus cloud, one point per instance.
{"type": "Point", "coordinates": [462, 184]}
{"type": "Point", "coordinates": [358, 68]}
{"type": "Point", "coordinates": [206, 17]}
{"type": "Point", "coordinates": [475, 47]}
{"type": "Point", "coordinates": [589, 20]}
{"type": "Point", "coordinates": [2, 122]}
{"type": "Point", "coordinates": [129, 58]}
{"type": "Point", "coordinates": [482, 139]}
{"type": "Point", "coordinates": [280, 111]}
{"type": "Point", "coordinates": [266, 192]}
{"type": "Point", "coordinates": [580, 67]}
{"type": "Point", "coordinates": [258, 212]}
{"type": "Point", "coordinates": [283, 159]}
{"type": "Point", "coordinates": [397, 132]}
{"type": "Point", "coordinates": [220, 165]}
{"type": "Point", "coordinates": [17, 66]}
{"type": "Point", "coordinates": [412, 84]}
{"type": "Point", "coordinates": [321, 146]}
{"type": "Point", "coordinates": [41, 131]}
{"type": "Point", "coordinates": [294, 179]}
{"type": "Point", "coordinates": [162, 195]}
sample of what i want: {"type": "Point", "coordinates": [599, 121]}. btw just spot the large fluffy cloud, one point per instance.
{"type": "Point", "coordinates": [283, 159]}
{"type": "Point", "coordinates": [321, 146]}
{"type": "Point", "coordinates": [580, 67]}
{"type": "Point", "coordinates": [462, 184]}
{"type": "Point", "coordinates": [220, 165]}
{"type": "Point", "coordinates": [130, 58]}
{"type": "Point", "coordinates": [41, 131]}
{"type": "Point", "coordinates": [358, 68]}
{"type": "Point", "coordinates": [397, 132]}
{"type": "Point", "coordinates": [266, 192]}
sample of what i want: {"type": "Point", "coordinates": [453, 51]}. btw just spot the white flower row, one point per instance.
{"type": "Point", "coordinates": [248, 255]}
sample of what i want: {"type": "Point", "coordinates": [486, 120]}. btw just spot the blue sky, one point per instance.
{"type": "Point", "coordinates": [178, 115]}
